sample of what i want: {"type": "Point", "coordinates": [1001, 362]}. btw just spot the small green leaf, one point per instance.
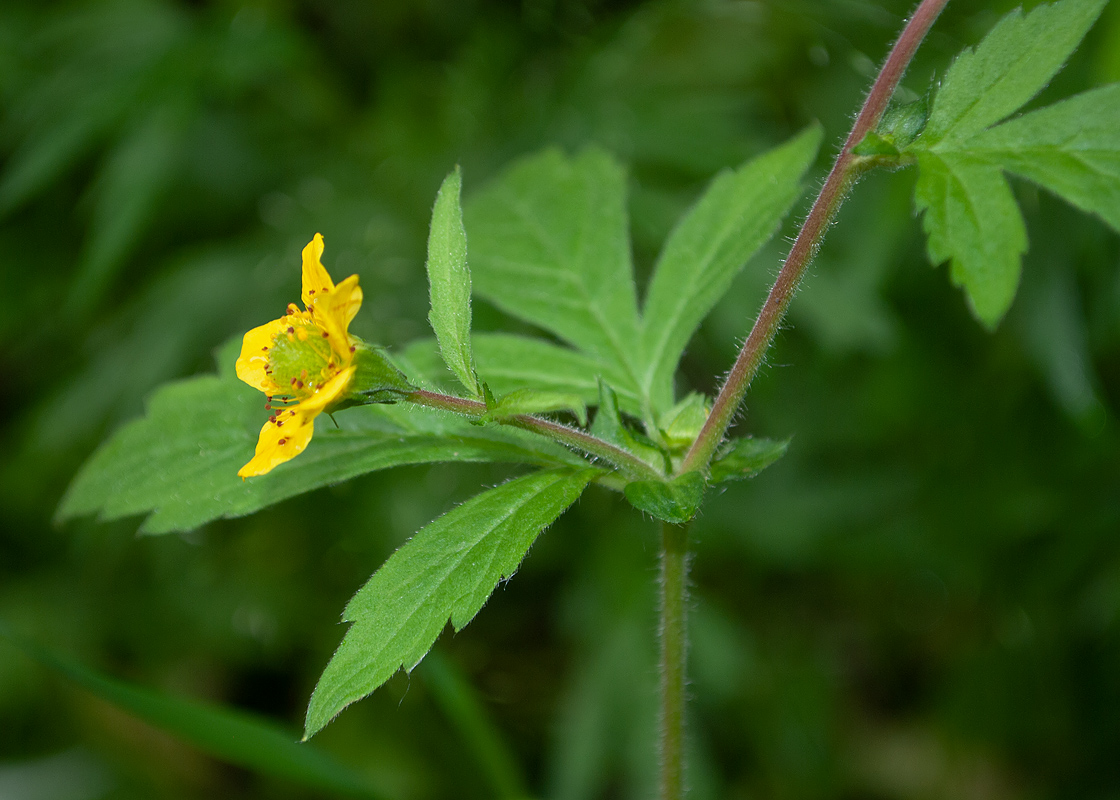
{"type": "Point", "coordinates": [745, 458]}
{"type": "Point", "coordinates": [449, 279]}
{"type": "Point", "coordinates": [737, 214]}
{"type": "Point", "coordinates": [682, 423]}
{"type": "Point", "coordinates": [609, 427]}
{"type": "Point", "coordinates": [875, 144]}
{"type": "Point", "coordinates": [446, 571]}
{"type": "Point", "coordinates": [550, 245]}
{"type": "Point", "coordinates": [675, 501]}
{"type": "Point", "coordinates": [537, 401]}
{"type": "Point", "coordinates": [971, 220]}
{"type": "Point", "coordinates": [1010, 66]}
{"type": "Point", "coordinates": [178, 463]}
{"type": "Point", "coordinates": [230, 735]}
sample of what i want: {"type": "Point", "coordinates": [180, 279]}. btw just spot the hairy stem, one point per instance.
{"type": "Point", "coordinates": [839, 180]}
{"type": "Point", "coordinates": [574, 438]}
{"type": "Point", "coordinates": [674, 653]}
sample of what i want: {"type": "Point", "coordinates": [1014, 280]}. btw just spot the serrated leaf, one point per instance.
{"type": "Point", "coordinates": [1010, 66]}
{"type": "Point", "coordinates": [178, 463]}
{"type": "Point", "coordinates": [449, 279]}
{"type": "Point", "coordinates": [1071, 148]}
{"type": "Point", "coordinates": [445, 572]}
{"type": "Point", "coordinates": [972, 221]}
{"type": "Point", "coordinates": [538, 401]}
{"type": "Point", "coordinates": [745, 458]}
{"type": "Point", "coordinates": [550, 245]}
{"type": "Point", "coordinates": [737, 214]}
{"type": "Point", "coordinates": [675, 501]}
{"type": "Point", "coordinates": [230, 735]}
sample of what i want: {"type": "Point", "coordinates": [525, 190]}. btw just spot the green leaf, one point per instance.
{"type": "Point", "coordinates": [446, 571]}
{"type": "Point", "coordinates": [1010, 66]}
{"type": "Point", "coordinates": [550, 245]}
{"type": "Point", "coordinates": [609, 427]}
{"type": "Point", "coordinates": [538, 401]}
{"type": "Point", "coordinates": [745, 458]}
{"type": "Point", "coordinates": [508, 362]}
{"type": "Point", "coordinates": [178, 463]}
{"type": "Point", "coordinates": [1071, 148]}
{"type": "Point", "coordinates": [737, 214]}
{"type": "Point", "coordinates": [972, 221]}
{"type": "Point", "coordinates": [684, 421]}
{"type": "Point", "coordinates": [230, 735]}
{"type": "Point", "coordinates": [449, 278]}
{"type": "Point", "coordinates": [675, 501]}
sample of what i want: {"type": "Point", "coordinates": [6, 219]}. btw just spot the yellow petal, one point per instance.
{"type": "Point", "coordinates": [335, 311]}
{"type": "Point", "coordinates": [254, 356]}
{"type": "Point", "coordinates": [316, 280]}
{"type": "Point", "coordinates": [329, 393]}
{"type": "Point", "coordinates": [280, 441]}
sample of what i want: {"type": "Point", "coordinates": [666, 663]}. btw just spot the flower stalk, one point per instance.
{"type": "Point", "coordinates": [844, 172]}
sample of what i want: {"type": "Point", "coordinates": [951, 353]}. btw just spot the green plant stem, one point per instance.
{"type": "Point", "coordinates": [844, 172]}
{"type": "Point", "coordinates": [674, 654]}
{"type": "Point", "coordinates": [629, 464]}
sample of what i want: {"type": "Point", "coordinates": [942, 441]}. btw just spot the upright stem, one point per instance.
{"type": "Point", "coordinates": [809, 239]}
{"type": "Point", "coordinates": [674, 651]}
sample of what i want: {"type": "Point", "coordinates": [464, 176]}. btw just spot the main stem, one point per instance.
{"type": "Point", "coordinates": [839, 180]}
{"type": "Point", "coordinates": [674, 653]}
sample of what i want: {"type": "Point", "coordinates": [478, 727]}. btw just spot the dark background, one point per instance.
{"type": "Point", "coordinates": [922, 600]}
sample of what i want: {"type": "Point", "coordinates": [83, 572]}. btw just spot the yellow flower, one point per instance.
{"type": "Point", "coordinates": [304, 362]}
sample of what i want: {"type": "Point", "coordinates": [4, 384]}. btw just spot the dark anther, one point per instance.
{"type": "Point", "coordinates": [291, 329]}
{"type": "Point", "coordinates": [282, 441]}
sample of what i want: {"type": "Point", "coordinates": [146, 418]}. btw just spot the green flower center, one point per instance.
{"type": "Point", "coordinates": [301, 359]}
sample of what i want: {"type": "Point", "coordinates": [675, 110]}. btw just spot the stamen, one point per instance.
{"type": "Point", "coordinates": [326, 335]}
{"type": "Point", "coordinates": [264, 349]}
{"type": "Point", "coordinates": [291, 329]}
{"type": "Point", "coordinates": [282, 441]}
{"type": "Point", "coordinates": [311, 291]}
{"type": "Point", "coordinates": [353, 348]}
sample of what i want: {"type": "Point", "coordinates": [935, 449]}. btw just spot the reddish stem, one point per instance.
{"type": "Point", "coordinates": [808, 239]}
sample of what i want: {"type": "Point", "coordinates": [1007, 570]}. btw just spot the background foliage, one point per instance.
{"type": "Point", "coordinates": [922, 599]}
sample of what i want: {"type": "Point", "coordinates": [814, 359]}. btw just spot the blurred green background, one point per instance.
{"type": "Point", "coordinates": [922, 600]}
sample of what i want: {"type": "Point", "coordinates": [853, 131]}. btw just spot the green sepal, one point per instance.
{"type": "Point", "coordinates": [535, 401]}
{"type": "Point", "coordinates": [745, 458]}
{"type": "Point", "coordinates": [675, 501]}
{"type": "Point", "coordinates": [681, 424]}
{"type": "Point", "coordinates": [609, 427]}
{"type": "Point", "coordinates": [376, 379]}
